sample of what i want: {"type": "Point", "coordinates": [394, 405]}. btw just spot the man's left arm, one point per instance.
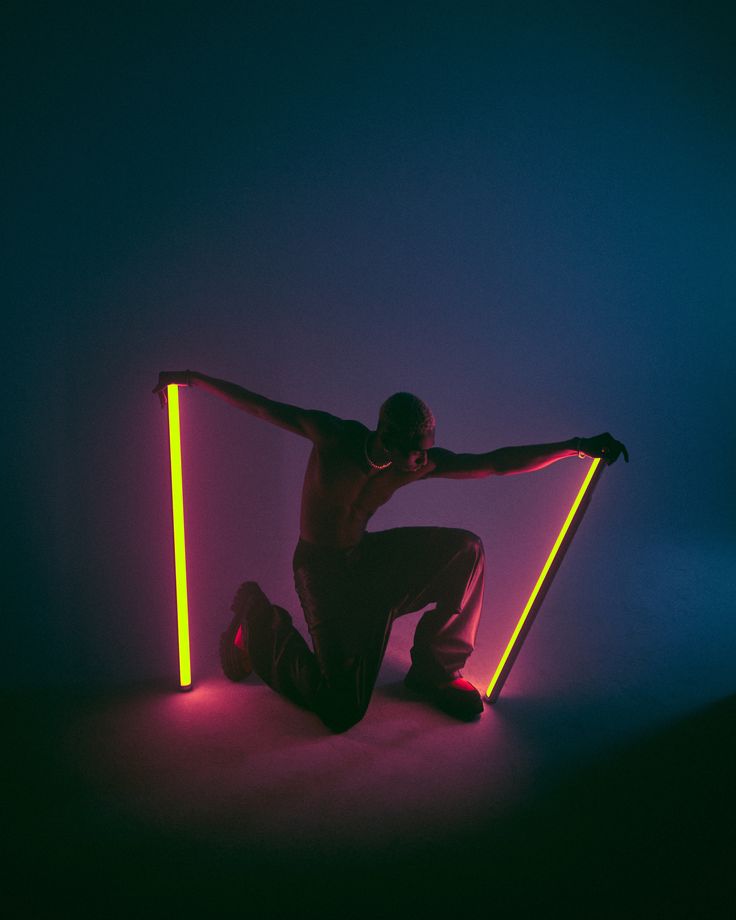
{"type": "Point", "coordinates": [506, 461]}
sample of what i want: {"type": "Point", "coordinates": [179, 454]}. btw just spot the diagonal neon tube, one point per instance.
{"type": "Point", "coordinates": [540, 581]}
{"type": "Point", "coordinates": [180, 556]}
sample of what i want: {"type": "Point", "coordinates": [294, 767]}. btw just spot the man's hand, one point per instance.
{"type": "Point", "coordinates": [180, 378]}
{"type": "Point", "coordinates": [605, 447]}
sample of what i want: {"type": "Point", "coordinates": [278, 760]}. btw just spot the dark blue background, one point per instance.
{"type": "Point", "coordinates": [522, 212]}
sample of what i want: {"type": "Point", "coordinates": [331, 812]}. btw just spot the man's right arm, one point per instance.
{"type": "Point", "coordinates": [309, 423]}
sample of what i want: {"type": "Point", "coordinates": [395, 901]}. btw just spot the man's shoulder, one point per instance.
{"type": "Point", "coordinates": [437, 456]}
{"type": "Point", "coordinates": [352, 426]}
{"type": "Point", "coordinates": [439, 459]}
{"type": "Point", "coordinates": [349, 431]}
{"type": "Point", "coordinates": [332, 428]}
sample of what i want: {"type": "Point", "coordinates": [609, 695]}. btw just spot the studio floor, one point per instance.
{"type": "Point", "coordinates": [140, 798]}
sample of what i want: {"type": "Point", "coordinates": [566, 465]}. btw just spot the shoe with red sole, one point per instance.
{"type": "Point", "coordinates": [235, 661]}
{"type": "Point", "coordinates": [457, 697]}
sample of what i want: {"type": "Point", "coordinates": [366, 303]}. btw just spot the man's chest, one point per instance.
{"type": "Point", "coordinates": [342, 478]}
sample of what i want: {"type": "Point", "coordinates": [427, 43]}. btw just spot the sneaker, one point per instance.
{"type": "Point", "coordinates": [457, 697]}
{"type": "Point", "coordinates": [235, 661]}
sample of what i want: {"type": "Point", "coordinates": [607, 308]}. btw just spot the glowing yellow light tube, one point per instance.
{"type": "Point", "coordinates": [180, 557]}
{"type": "Point", "coordinates": [554, 559]}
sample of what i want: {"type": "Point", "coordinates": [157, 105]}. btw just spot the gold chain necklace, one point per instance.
{"type": "Point", "coordinates": [376, 466]}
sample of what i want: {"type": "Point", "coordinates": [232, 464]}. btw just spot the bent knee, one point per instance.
{"type": "Point", "coordinates": [340, 719]}
{"type": "Point", "coordinates": [341, 711]}
{"type": "Point", "coordinates": [470, 542]}
{"type": "Point", "coordinates": [343, 723]}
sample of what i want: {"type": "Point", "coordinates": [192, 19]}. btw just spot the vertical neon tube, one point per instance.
{"type": "Point", "coordinates": [180, 556]}
{"type": "Point", "coordinates": [564, 538]}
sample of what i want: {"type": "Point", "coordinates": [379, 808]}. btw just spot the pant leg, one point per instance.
{"type": "Point", "coordinates": [279, 654]}
{"type": "Point", "coordinates": [413, 567]}
{"type": "Point", "coordinates": [349, 637]}
{"type": "Point", "coordinates": [350, 600]}
{"type": "Point", "coordinates": [349, 634]}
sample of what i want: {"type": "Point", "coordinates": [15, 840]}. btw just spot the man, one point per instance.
{"type": "Point", "coordinates": [352, 583]}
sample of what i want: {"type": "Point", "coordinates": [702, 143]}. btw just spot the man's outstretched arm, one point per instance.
{"type": "Point", "coordinates": [526, 459]}
{"type": "Point", "coordinates": [309, 423]}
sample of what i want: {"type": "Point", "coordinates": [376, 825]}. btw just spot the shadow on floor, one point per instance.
{"type": "Point", "coordinates": [647, 831]}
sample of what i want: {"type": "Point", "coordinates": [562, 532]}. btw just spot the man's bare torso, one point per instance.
{"type": "Point", "coordinates": [342, 491]}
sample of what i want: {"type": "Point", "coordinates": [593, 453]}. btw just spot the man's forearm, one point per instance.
{"type": "Point", "coordinates": [526, 459]}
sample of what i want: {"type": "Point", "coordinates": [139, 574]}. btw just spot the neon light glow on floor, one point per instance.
{"type": "Point", "coordinates": [180, 556]}
{"type": "Point", "coordinates": [561, 544]}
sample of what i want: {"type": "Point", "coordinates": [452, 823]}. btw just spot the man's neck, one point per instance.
{"type": "Point", "coordinates": [375, 451]}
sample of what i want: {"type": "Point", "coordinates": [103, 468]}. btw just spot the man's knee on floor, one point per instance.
{"type": "Point", "coordinates": [340, 708]}
{"type": "Point", "coordinates": [342, 722]}
{"type": "Point", "coordinates": [341, 718]}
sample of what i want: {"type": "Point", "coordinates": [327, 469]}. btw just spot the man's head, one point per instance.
{"type": "Point", "coordinates": [406, 430]}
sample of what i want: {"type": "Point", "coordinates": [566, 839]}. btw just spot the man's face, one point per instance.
{"type": "Point", "coordinates": [409, 454]}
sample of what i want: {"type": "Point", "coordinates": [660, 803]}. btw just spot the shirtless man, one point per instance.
{"type": "Point", "coordinates": [353, 583]}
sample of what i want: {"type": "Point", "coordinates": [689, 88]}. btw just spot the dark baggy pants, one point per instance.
{"type": "Point", "coordinates": [350, 599]}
